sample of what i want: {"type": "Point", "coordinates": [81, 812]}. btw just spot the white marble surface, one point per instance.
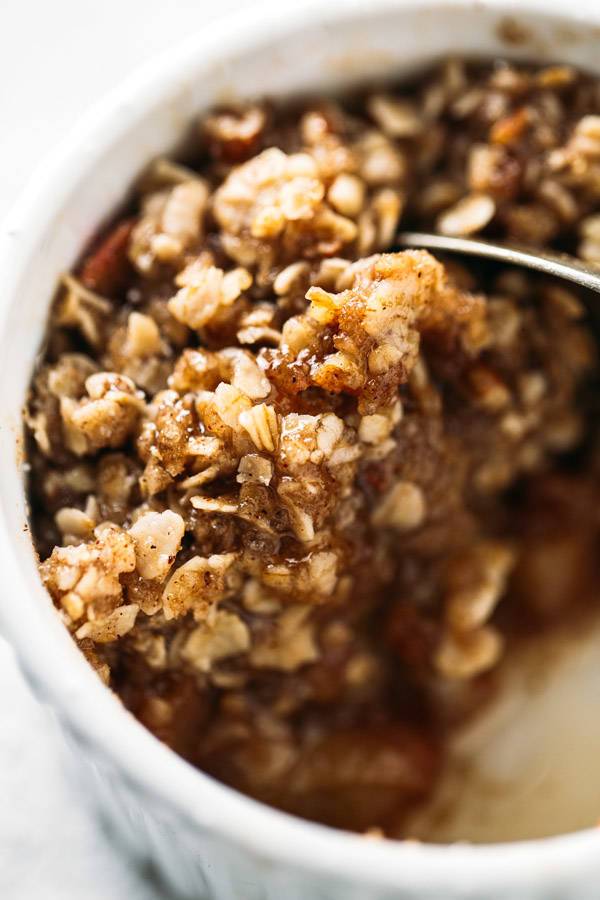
{"type": "Point", "coordinates": [56, 59]}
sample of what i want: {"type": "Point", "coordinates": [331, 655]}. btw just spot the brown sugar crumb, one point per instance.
{"type": "Point", "coordinates": [294, 492]}
{"type": "Point", "coordinates": [364, 340]}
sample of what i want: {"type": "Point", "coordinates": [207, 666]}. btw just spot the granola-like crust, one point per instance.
{"type": "Point", "coordinates": [286, 484]}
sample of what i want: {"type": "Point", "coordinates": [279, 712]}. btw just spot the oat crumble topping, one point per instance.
{"type": "Point", "coordinates": [292, 489]}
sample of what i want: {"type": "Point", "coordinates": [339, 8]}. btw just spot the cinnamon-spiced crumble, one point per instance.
{"type": "Point", "coordinates": [292, 489]}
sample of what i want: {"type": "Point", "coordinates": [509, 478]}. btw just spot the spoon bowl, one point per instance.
{"type": "Point", "coordinates": [559, 265]}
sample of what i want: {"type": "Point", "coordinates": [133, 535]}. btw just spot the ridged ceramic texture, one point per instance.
{"type": "Point", "coordinates": [205, 840]}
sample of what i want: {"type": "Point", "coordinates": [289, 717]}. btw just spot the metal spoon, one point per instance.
{"type": "Point", "coordinates": [561, 265]}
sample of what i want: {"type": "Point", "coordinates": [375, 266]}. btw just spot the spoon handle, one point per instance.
{"type": "Point", "coordinates": [560, 265]}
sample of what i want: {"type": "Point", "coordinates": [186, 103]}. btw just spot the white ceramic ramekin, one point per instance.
{"type": "Point", "coordinates": [205, 839]}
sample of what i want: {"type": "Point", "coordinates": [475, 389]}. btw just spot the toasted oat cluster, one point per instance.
{"type": "Point", "coordinates": [292, 489]}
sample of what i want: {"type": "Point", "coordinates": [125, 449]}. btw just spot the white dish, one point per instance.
{"type": "Point", "coordinates": [205, 839]}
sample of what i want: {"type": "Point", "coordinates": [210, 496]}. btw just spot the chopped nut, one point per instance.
{"type": "Point", "coordinates": [257, 600]}
{"type": "Point", "coordinates": [74, 522]}
{"type": "Point", "coordinates": [470, 654]}
{"type": "Point", "coordinates": [382, 162]}
{"type": "Point", "coordinates": [205, 291]}
{"type": "Point", "coordinates": [377, 428]}
{"type": "Point", "coordinates": [143, 336]}
{"type": "Point", "coordinates": [157, 538]}
{"type": "Point", "coordinates": [475, 584]}
{"type": "Point", "coordinates": [230, 404]}
{"type": "Point", "coordinates": [403, 508]}
{"type": "Point", "coordinates": [197, 584]}
{"type": "Point", "coordinates": [274, 194]}
{"type": "Point", "coordinates": [347, 195]}
{"type": "Point", "coordinates": [289, 276]}
{"type": "Point", "coordinates": [183, 209]}
{"type": "Point", "coordinates": [106, 418]}
{"type": "Point", "coordinates": [488, 388]}
{"type": "Point", "coordinates": [90, 573]}
{"type": "Point", "coordinates": [170, 224]}
{"type": "Point", "coordinates": [73, 605]}
{"type": "Point", "coordinates": [111, 627]}
{"type": "Point", "coordinates": [153, 648]}
{"type": "Point", "coordinates": [254, 468]}
{"type": "Point", "coordinates": [322, 571]}
{"type": "Point", "coordinates": [290, 645]}
{"type": "Point", "coordinates": [224, 636]}
{"type": "Point", "coordinates": [233, 134]}
{"type": "Point", "coordinates": [68, 377]}
{"type": "Point", "coordinates": [246, 375]}
{"type": "Point", "coordinates": [510, 128]}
